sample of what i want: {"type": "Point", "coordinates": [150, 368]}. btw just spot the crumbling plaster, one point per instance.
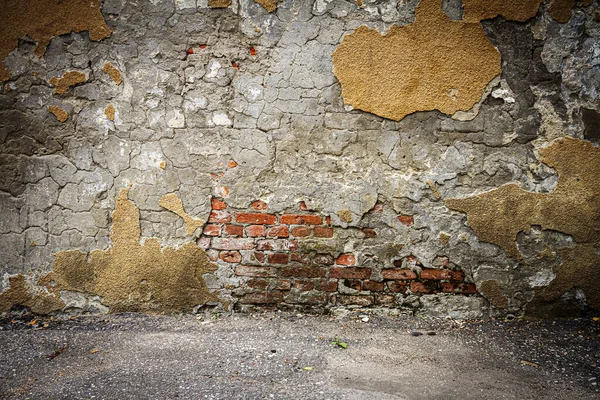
{"type": "Point", "coordinates": [242, 104]}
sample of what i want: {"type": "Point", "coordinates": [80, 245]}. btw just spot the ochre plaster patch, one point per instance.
{"type": "Point", "coordinates": [173, 203]}
{"type": "Point", "coordinates": [70, 78]}
{"type": "Point", "coordinates": [110, 112]}
{"type": "Point", "coordinates": [433, 64]}
{"type": "Point", "coordinates": [560, 10]}
{"type": "Point", "coordinates": [269, 5]}
{"type": "Point", "coordinates": [113, 72]}
{"type": "Point", "coordinates": [42, 20]}
{"type": "Point", "coordinates": [129, 276]}
{"type": "Point", "coordinates": [219, 3]}
{"type": "Point", "coordinates": [514, 10]}
{"type": "Point", "coordinates": [492, 291]}
{"type": "Point", "coordinates": [61, 115]}
{"type": "Point", "coordinates": [345, 215]}
{"type": "Point", "coordinates": [573, 208]}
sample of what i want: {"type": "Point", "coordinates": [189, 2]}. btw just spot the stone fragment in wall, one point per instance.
{"type": "Point", "coordinates": [129, 276]}
{"type": "Point", "coordinates": [573, 208]}
{"type": "Point", "coordinates": [514, 10]}
{"type": "Point", "coordinates": [269, 5]}
{"type": "Point", "coordinates": [219, 3]}
{"type": "Point", "coordinates": [173, 203]}
{"type": "Point", "coordinates": [433, 64]}
{"type": "Point", "coordinates": [70, 78]}
{"type": "Point", "coordinates": [113, 72]}
{"type": "Point", "coordinates": [61, 115]}
{"type": "Point", "coordinates": [345, 215]}
{"type": "Point", "coordinates": [110, 112]}
{"type": "Point", "coordinates": [41, 20]}
{"type": "Point", "coordinates": [560, 10]}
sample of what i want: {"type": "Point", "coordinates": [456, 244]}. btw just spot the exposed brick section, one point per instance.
{"type": "Point", "coordinates": [324, 259]}
{"type": "Point", "coordinates": [232, 244]}
{"type": "Point", "coordinates": [203, 243]}
{"type": "Point", "coordinates": [436, 274]}
{"type": "Point", "coordinates": [231, 256]}
{"type": "Point", "coordinates": [346, 259]}
{"type": "Point", "coordinates": [419, 287]}
{"type": "Point", "coordinates": [279, 232]}
{"type": "Point", "coordinates": [259, 205]}
{"type": "Point", "coordinates": [323, 231]}
{"type": "Point", "coordinates": [212, 230]}
{"type": "Point", "coordinates": [255, 218]}
{"type": "Point", "coordinates": [277, 244]}
{"type": "Point", "coordinates": [259, 256]}
{"type": "Point", "coordinates": [282, 284]}
{"type": "Point", "coordinates": [219, 217]}
{"type": "Point", "coordinates": [259, 284]}
{"type": "Point", "coordinates": [262, 298]}
{"type": "Point", "coordinates": [467, 288]}
{"type": "Point", "coordinates": [256, 231]}
{"type": "Point", "coordinates": [300, 257]}
{"type": "Point", "coordinates": [349, 273]}
{"type": "Point", "coordinates": [353, 284]}
{"type": "Point", "coordinates": [373, 286]}
{"type": "Point", "coordinates": [369, 233]}
{"type": "Point", "coordinates": [217, 204]}
{"type": "Point", "coordinates": [304, 286]}
{"type": "Point", "coordinates": [397, 286]}
{"type": "Point", "coordinates": [249, 270]}
{"type": "Point", "coordinates": [278, 258]}
{"type": "Point", "coordinates": [302, 206]}
{"type": "Point", "coordinates": [234, 230]}
{"type": "Point", "coordinates": [398, 274]}
{"type": "Point", "coordinates": [406, 220]}
{"type": "Point", "coordinates": [458, 276]}
{"type": "Point", "coordinates": [327, 286]}
{"type": "Point", "coordinates": [301, 231]}
{"type": "Point", "coordinates": [301, 219]}
{"type": "Point", "coordinates": [304, 272]}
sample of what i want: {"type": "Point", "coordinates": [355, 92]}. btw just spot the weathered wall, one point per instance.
{"type": "Point", "coordinates": [162, 156]}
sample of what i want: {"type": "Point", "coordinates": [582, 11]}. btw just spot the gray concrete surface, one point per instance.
{"type": "Point", "coordinates": [263, 356]}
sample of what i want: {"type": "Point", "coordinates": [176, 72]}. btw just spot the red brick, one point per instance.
{"type": "Point", "coordinates": [278, 258]}
{"type": "Point", "coordinates": [373, 286]}
{"type": "Point", "coordinates": [300, 257]}
{"type": "Point", "coordinates": [260, 284]}
{"type": "Point", "coordinates": [346, 259]}
{"type": "Point", "coordinates": [304, 286]}
{"type": "Point", "coordinates": [324, 259]}
{"type": "Point", "coordinates": [406, 220]}
{"type": "Point", "coordinates": [353, 284]}
{"type": "Point", "coordinates": [369, 233]}
{"type": "Point", "coordinates": [256, 231]}
{"type": "Point", "coordinates": [234, 230]}
{"type": "Point", "coordinates": [303, 206]}
{"type": "Point", "coordinates": [448, 287]}
{"type": "Point", "coordinates": [231, 256]}
{"type": "Point", "coordinates": [378, 209]}
{"type": "Point", "coordinates": [213, 255]}
{"type": "Point", "coordinates": [385, 300]}
{"type": "Point", "coordinates": [301, 219]}
{"type": "Point", "coordinates": [262, 298]}
{"type": "Point", "coordinates": [232, 244]}
{"type": "Point", "coordinates": [458, 276]}
{"type": "Point", "coordinates": [436, 274]}
{"type": "Point", "coordinates": [467, 288]}
{"type": "Point", "coordinates": [328, 220]}
{"type": "Point", "coordinates": [203, 243]}
{"type": "Point", "coordinates": [212, 230]}
{"type": "Point", "coordinates": [322, 231]}
{"type": "Point", "coordinates": [255, 218]}
{"type": "Point", "coordinates": [419, 287]}
{"type": "Point", "coordinates": [301, 231]}
{"type": "Point", "coordinates": [327, 286]}
{"type": "Point", "coordinates": [402, 274]}
{"type": "Point", "coordinates": [349, 273]}
{"type": "Point", "coordinates": [279, 231]}
{"type": "Point", "coordinates": [217, 204]}
{"type": "Point", "coordinates": [304, 272]}
{"type": "Point", "coordinates": [248, 270]}
{"type": "Point", "coordinates": [277, 244]}
{"type": "Point", "coordinates": [397, 287]}
{"type": "Point", "coordinates": [259, 205]}
{"type": "Point", "coordinates": [219, 217]}
{"type": "Point", "coordinates": [283, 284]}
{"type": "Point", "coordinates": [354, 300]}
{"type": "Point", "coordinates": [259, 256]}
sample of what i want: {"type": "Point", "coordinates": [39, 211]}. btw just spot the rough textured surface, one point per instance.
{"type": "Point", "coordinates": [433, 64]}
{"type": "Point", "coordinates": [269, 5]}
{"type": "Point", "coordinates": [310, 205]}
{"type": "Point", "coordinates": [173, 203]}
{"type": "Point", "coordinates": [514, 10]}
{"type": "Point", "coordinates": [110, 112]}
{"type": "Point", "coordinates": [60, 114]}
{"type": "Point", "coordinates": [69, 79]}
{"type": "Point", "coordinates": [41, 20]}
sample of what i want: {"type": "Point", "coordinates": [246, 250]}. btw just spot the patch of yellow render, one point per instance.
{"type": "Point", "coordinates": [61, 115]}
{"type": "Point", "coordinates": [560, 10]}
{"type": "Point", "coordinates": [219, 3]}
{"type": "Point", "coordinates": [513, 10]}
{"type": "Point", "coordinates": [269, 5]}
{"type": "Point", "coordinates": [173, 203]}
{"type": "Point", "coordinates": [70, 78]}
{"type": "Point", "coordinates": [110, 112]}
{"type": "Point", "coordinates": [113, 72]}
{"type": "Point", "coordinates": [572, 208]}
{"type": "Point", "coordinates": [41, 20]}
{"type": "Point", "coordinates": [433, 64]}
{"type": "Point", "coordinates": [129, 276]}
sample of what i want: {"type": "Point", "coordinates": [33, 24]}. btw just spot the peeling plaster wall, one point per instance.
{"type": "Point", "coordinates": [168, 155]}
